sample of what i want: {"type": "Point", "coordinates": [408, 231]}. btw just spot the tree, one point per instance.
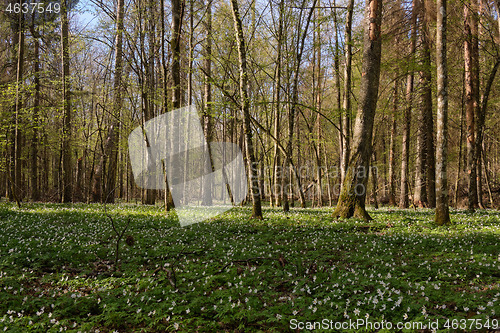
{"type": "Point", "coordinates": [293, 107]}
{"type": "Point", "coordinates": [16, 133]}
{"type": "Point", "coordinates": [405, 151]}
{"type": "Point", "coordinates": [346, 106]}
{"type": "Point", "coordinates": [277, 173]}
{"type": "Point", "coordinates": [109, 156]}
{"type": "Point", "coordinates": [425, 165]}
{"type": "Point", "coordinates": [207, 106]}
{"type": "Point", "coordinates": [442, 213]}
{"type": "Point", "coordinates": [353, 193]}
{"type": "Point", "coordinates": [35, 193]}
{"type": "Point", "coordinates": [175, 45]}
{"type": "Point", "coordinates": [245, 109]}
{"type": "Point", "coordinates": [392, 146]}
{"type": "Point", "coordinates": [471, 66]}
{"type": "Point", "coordinates": [66, 144]}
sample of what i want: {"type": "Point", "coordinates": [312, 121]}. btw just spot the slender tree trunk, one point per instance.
{"type": "Point", "coordinates": [479, 181]}
{"type": "Point", "coordinates": [318, 117]}
{"type": "Point", "coordinates": [392, 147]}
{"type": "Point", "coordinates": [148, 90]}
{"type": "Point", "coordinates": [424, 163]}
{"type": "Point", "coordinates": [166, 193]}
{"type": "Point", "coordinates": [207, 106]}
{"type": "Point", "coordinates": [108, 161]}
{"type": "Point", "coordinates": [295, 97]}
{"type": "Point", "coordinates": [471, 98]}
{"type": "Point", "coordinates": [112, 165]}
{"type": "Point", "coordinates": [276, 189]}
{"type": "Point", "coordinates": [428, 120]}
{"type": "Point", "coordinates": [66, 145]}
{"type": "Point", "coordinates": [442, 215]}
{"type": "Point", "coordinates": [420, 190]}
{"type": "Point", "coordinates": [480, 126]}
{"type": "Point", "coordinates": [353, 193]}
{"type": "Point", "coordinates": [346, 125]}
{"type": "Point", "coordinates": [405, 151]}
{"type": "Point", "coordinates": [190, 91]}
{"type": "Point", "coordinates": [459, 166]}
{"type": "Point", "coordinates": [16, 133]}
{"type": "Point", "coordinates": [487, 178]}
{"type": "Point", "coordinates": [328, 181]}
{"type": "Point", "coordinates": [35, 192]}
{"type": "Point", "coordinates": [340, 110]}
{"type": "Point", "coordinates": [374, 179]}
{"type": "Point", "coordinates": [245, 108]}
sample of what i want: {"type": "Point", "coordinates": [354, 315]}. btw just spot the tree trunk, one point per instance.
{"type": "Point", "coordinates": [108, 161]}
{"type": "Point", "coordinates": [148, 91]}
{"type": "Point", "coordinates": [18, 132]}
{"type": "Point", "coordinates": [420, 190]}
{"type": "Point", "coordinates": [346, 124]}
{"type": "Point", "coordinates": [426, 77]}
{"type": "Point", "coordinates": [245, 108]}
{"type": "Point", "coordinates": [35, 192]}
{"type": "Point", "coordinates": [481, 121]}
{"type": "Point", "coordinates": [112, 165]}
{"type": "Point", "coordinates": [405, 150]}
{"type": "Point", "coordinates": [353, 193]}
{"type": "Point", "coordinates": [392, 147]}
{"type": "Point", "coordinates": [471, 59]}
{"type": "Point", "coordinates": [207, 107]}
{"type": "Point", "coordinates": [16, 163]}
{"type": "Point", "coordinates": [190, 92]}
{"type": "Point", "coordinates": [276, 189]}
{"type": "Point", "coordinates": [295, 99]}
{"type": "Point", "coordinates": [167, 196]}
{"type": "Point", "coordinates": [66, 144]}
{"type": "Point", "coordinates": [424, 164]}
{"type": "Point", "coordinates": [340, 111]}
{"type": "Point", "coordinates": [374, 180]}
{"type": "Point", "coordinates": [15, 180]}
{"type": "Point", "coordinates": [442, 215]}
{"type": "Point", "coordinates": [317, 144]}
{"type": "Point", "coordinates": [459, 166]}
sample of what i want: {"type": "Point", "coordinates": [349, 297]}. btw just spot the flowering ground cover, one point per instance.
{"type": "Point", "coordinates": [235, 274]}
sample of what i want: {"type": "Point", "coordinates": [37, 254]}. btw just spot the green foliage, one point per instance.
{"type": "Point", "coordinates": [236, 274]}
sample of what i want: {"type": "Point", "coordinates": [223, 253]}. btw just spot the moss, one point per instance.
{"type": "Point", "coordinates": [442, 216]}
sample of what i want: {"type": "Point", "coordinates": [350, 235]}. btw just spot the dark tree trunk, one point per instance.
{"type": "Point", "coordinates": [277, 189]}
{"type": "Point", "coordinates": [66, 145]}
{"type": "Point", "coordinates": [471, 58]}
{"type": "Point", "coordinates": [392, 147]}
{"type": "Point", "coordinates": [35, 187]}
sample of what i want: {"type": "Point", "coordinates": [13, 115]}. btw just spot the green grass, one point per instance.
{"type": "Point", "coordinates": [236, 274]}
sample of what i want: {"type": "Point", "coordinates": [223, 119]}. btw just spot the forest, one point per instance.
{"type": "Point", "coordinates": [92, 73]}
{"type": "Point", "coordinates": [366, 144]}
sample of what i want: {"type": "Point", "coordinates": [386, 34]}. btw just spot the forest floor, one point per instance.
{"type": "Point", "coordinates": [235, 274]}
